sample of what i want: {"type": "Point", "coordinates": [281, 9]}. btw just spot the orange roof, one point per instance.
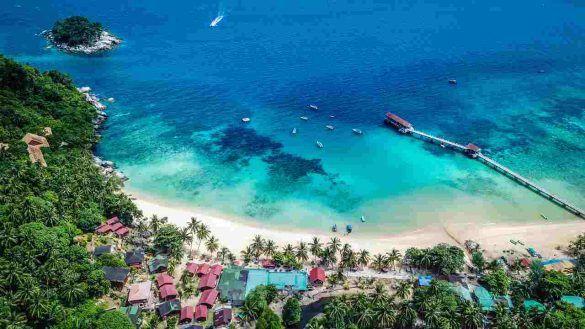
{"type": "Point", "coordinates": [139, 292]}
{"type": "Point", "coordinates": [398, 120]}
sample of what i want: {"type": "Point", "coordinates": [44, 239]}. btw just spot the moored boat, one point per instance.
{"type": "Point", "coordinates": [294, 131]}
{"type": "Point", "coordinates": [452, 81]}
{"type": "Point", "coordinates": [246, 119]}
{"type": "Point", "coordinates": [334, 228]}
{"type": "Point", "coordinates": [319, 144]}
{"type": "Point", "coordinates": [304, 118]}
{"type": "Point", "coordinates": [314, 107]}
{"type": "Point", "coordinates": [363, 218]}
{"type": "Point", "coordinates": [330, 127]}
{"type": "Point", "coordinates": [357, 131]}
{"type": "Point", "coordinates": [349, 228]}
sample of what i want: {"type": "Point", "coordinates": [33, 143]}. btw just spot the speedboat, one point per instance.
{"type": "Point", "coordinates": [363, 219]}
{"type": "Point", "coordinates": [334, 228]}
{"type": "Point", "coordinates": [357, 131]}
{"type": "Point", "coordinates": [330, 127]}
{"type": "Point", "coordinates": [452, 82]}
{"type": "Point", "coordinates": [246, 119]}
{"type": "Point", "coordinates": [332, 116]}
{"type": "Point", "coordinates": [304, 118]}
{"type": "Point", "coordinates": [314, 107]}
{"type": "Point", "coordinates": [319, 144]}
{"type": "Point", "coordinates": [216, 21]}
{"type": "Point", "coordinates": [294, 131]}
{"type": "Point", "coordinates": [348, 228]}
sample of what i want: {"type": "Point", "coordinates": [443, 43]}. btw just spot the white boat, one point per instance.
{"type": "Point", "coordinates": [304, 118]}
{"type": "Point", "coordinates": [216, 21]}
{"type": "Point", "coordinates": [294, 131]}
{"type": "Point", "coordinates": [330, 127]}
{"type": "Point", "coordinates": [332, 116]}
{"type": "Point", "coordinates": [314, 107]}
{"type": "Point", "coordinates": [442, 145]}
{"type": "Point", "coordinates": [363, 219]}
{"type": "Point", "coordinates": [245, 119]}
{"type": "Point", "coordinates": [357, 131]}
{"type": "Point", "coordinates": [319, 144]}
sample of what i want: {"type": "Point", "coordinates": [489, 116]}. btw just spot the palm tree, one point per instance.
{"type": "Point", "coordinates": [365, 319]}
{"type": "Point", "coordinates": [316, 247]}
{"type": "Point", "coordinates": [289, 250]}
{"type": "Point", "coordinates": [404, 289]}
{"type": "Point", "coordinates": [258, 246]}
{"type": "Point", "coordinates": [406, 315]}
{"type": "Point", "coordinates": [334, 244]}
{"type": "Point", "coordinates": [186, 235]}
{"type": "Point", "coordinates": [364, 257]}
{"type": "Point", "coordinates": [393, 256]}
{"type": "Point", "coordinates": [156, 222]}
{"type": "Point", "coordinates": [471, 316]}
{"type": "Point", "coordinates": [269, 248]}
{"type": "Point", "coordinates": [379, 262]}
{"type": "Point", "coordinates": [379, 295]}
{"type": "Point", "coordinates": [302, 252]}
{"type": "Point", "coordinates": [202, 234]}
{"type": "Point", "coordinates": [336, 311]}
{"type": "Point", "coordinates": [384, 315]}
{"type": "Point", "coordinates": [425, 260]}
{"type": "Point", "coordinates": [247, 254]}
{"type": "Point", "coordinates": [212, 245]}
{"type": "Point", "coordinates": [223, 253]}
{"type": "Point", "coordinates": [193, 227]}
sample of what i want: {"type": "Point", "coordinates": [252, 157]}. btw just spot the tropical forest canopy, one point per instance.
{"type": "Point", "coordinates": [76, 31]}
{"type": "Point", "coordinates": [46, 278]}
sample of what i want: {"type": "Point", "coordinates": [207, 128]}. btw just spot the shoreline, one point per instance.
{"type": "Point", "coordinates": [493, 238]}
{"type": "Point", "coordinates": [106, 42]}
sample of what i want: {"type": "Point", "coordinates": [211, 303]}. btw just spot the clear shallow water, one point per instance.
{"type": "Point", "coordinates": [182, 88]}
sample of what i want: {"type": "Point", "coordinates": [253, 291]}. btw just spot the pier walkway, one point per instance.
{"type": "Point", "coordinates": [474, 152]}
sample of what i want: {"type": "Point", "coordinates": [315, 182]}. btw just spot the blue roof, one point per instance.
{"type": "Point", "coordinates": [295, 280]}
{"type": "Point", "coordinates": [575, 300]}
{"type": "Point", "coordinates": [505, 300]}
{"type": "Point", "coordinates": [424, 281]}
{"type": "Point", "coordinates": [556, 260]}
{"type": "Point", "coordinates": [462, 292]}
{"type": "Point", "coordinates": [484, 298]}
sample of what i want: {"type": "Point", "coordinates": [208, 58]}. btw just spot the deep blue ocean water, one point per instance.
{"type": "Point", "coordinates": [181, 89]}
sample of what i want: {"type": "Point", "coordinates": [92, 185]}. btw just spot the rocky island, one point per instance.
{"type": "Point", "coordinates": [78, 34]}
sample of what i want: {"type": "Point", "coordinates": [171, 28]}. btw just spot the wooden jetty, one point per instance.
{"type": "Point", "coordinates": [473, 151]}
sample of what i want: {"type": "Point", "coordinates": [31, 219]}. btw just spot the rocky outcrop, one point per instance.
{"type": "Point", "coordinates": [105, 42]}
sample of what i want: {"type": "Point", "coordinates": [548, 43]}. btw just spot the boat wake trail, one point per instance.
{"type": "Point", "coordinates": [220, 15]}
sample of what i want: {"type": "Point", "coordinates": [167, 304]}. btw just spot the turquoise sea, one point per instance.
{"type": "Point", "coordinates": [182, 87]}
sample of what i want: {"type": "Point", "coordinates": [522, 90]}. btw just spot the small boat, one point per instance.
{"type": "Point", "coordinates": [216, 21]}
{"type": "Point", "coordinates": [319, 144]}
{"type": "Point", "coordinates": [332, 116]}
{"type": "Point", "coordinates": [442, 145]}
{"type": "Point", "coordinates": [246, 119]}
{"type": "Point", "coordinates": [363, 219]}
{"type": "Point", "coordinates": [334, 228]}
{"type": "Point", "coordinates": [330, 127]}
{"type": "Point", "coordinates": [294, 131]}
{"type": "Point", "coordinates": [314, 107]}
{"type": "Point", "coordinates": [348, 228]}
{"type": "Point", "coordinates": [357, 131]}
{"type": "Point", "coordinates": [304, 118]}
{"type": "Point", "coordinates": [541, 71]}
{"type": "Point", "coordinates": [452, 82]}
{"type": "Point", "coordinates": [543, 217]}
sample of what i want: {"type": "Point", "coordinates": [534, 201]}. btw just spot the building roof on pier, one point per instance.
{"type": "Point", "coordinates": [398, 120]}
{"type": "Point", "coordinates": [473, 147]}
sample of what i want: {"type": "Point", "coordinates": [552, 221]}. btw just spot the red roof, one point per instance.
{"type": "Point", "coordinates": [268, 263]}
{"type": "Point", "coordinates": [191, 267]}
{"type": "Point", "coordinates": [317, 274]}
{"type": "Point", "coordinates": [163, 279]}
{"type": "Point", "coordinates": [208, 297]}
{"type": "Point", "coordinates": [116, 226]}
{"type": "Point", "coordinates": [216, 269]}
{"type": "Point", "coordinates": [398, 120]}
{"type": "Point", "coordinates": [186, 314]}
{"type": "Point", "coordinates": [203, 269]}
{"type": "Point", "coordinates": [525, 262]}
{"type": "Point", "coordinates": [113, 220]}
{"type": "Point", "coordinates": [200, 312]}
{"type": "Point", "coordinates": [208, 281]}
{"type": "Point", "coordinates": [168, 291]}
{"type": "Point", "coordinates": [473, 147]}
{"type": "Point", "coordinates": [122, 231]}
{"type": "Point", "coordinates": [104, 228]}
{"type": "Point", "coordinates": [222, 317]}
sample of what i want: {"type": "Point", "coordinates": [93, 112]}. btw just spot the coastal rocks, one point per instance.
{"type": "Point", "coordinates": [106, 41]}
{"type": "Point", "coordinates": [107, 167]}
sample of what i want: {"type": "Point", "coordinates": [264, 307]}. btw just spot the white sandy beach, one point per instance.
{"type": "Point", "coordinates": [544, 237]}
